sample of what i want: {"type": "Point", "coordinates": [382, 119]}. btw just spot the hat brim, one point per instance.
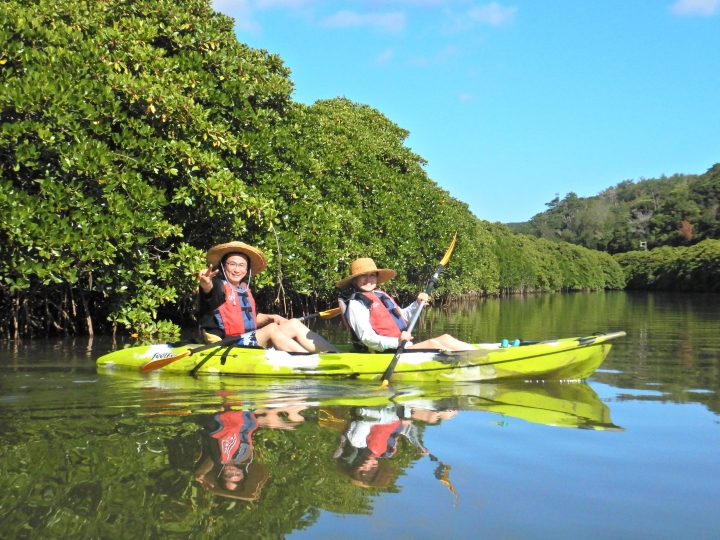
{"type": "Point", "coordinates": [384, 274]}
{"type": "Point", "coordinates": [258, 263]}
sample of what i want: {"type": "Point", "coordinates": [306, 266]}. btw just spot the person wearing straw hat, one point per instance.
{"type": "Point", "coordinates": [374, 319]}
{"type": "Point", "coordinates": [226, 306]}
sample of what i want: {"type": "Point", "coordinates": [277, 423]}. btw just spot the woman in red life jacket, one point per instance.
{"type": "Point", "coordinates": [374, 318]}
{"type": "Point", "coordinates": [226, 306]}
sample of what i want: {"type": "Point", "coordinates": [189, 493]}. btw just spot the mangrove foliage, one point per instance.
{"type": "Point", "coordinates": [691, 269]}
{"type": "Point", "coordinates": [137, 134]}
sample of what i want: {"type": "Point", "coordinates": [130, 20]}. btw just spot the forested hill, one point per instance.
{"type": "Point", "coordinates": [679, 210]}
{"type": "Point", "coordinates": [136, 135]}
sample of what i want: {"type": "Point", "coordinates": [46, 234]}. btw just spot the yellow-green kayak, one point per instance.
{"type": "Point", "coordinates": [558, 359]}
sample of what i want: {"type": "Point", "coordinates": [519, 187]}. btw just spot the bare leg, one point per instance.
{"type": "Point", "coordinates": [445, 342]}
{"type": "Point", "coordinates": [307, 338]}
{"type": "Point", "coordinates": [271, 336]}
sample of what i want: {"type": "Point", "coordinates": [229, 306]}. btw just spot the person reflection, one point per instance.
{"type": "Point", "coordinates": [226, 465]}
{"type": "Point", "coordinates": [373, 435]}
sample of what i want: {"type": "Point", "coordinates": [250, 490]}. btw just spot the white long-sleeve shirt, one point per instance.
{"type": "Point", "coordinates": [358, 317]}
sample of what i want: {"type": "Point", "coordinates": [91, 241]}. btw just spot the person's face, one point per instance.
{"type": "Point", "coordinates": [236, 267]}
{"type": "Point", "coordinates": [232, 476]}
{"type": "Point", "coordinates": [366, 282]}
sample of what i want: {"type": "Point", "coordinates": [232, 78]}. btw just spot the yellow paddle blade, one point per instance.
{"type": "Point", "coordinates": [446, 258]}
{"type": "Point", "coordinates": [330, 313]}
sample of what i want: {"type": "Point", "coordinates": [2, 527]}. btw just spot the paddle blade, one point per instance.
{"type": "Point", "coordinates": [152, 365]}
{"type": "Point", "coordinates": [330, 313]}
{"type": "Point", "coordinates": [446, 258]}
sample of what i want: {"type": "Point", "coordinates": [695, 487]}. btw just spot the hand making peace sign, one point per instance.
{"type": "Point", "coordinates": [205, 278]}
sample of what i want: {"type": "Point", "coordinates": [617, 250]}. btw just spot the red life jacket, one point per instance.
{"type": "Point", "coordinates": [237, 314]}
{"type": "Point", "coordinates": [234, 436]}
{"type": "Point", "coordinates": [385, 315]}
{"type": "Point", "coordinates": [383, 438]}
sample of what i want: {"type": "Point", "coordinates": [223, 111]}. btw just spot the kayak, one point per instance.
{"type": "Point", "coordinates": [552, 403]}
{"type": "Point", "coordinates": [558, 359]}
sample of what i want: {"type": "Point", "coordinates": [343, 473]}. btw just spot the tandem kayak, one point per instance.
{"type": "Point", "coordinates": [558, 359]}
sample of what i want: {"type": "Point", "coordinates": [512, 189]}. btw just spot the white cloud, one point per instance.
{"type": "Point", "coordinates": [494, 14]}
{"type": "Point", "coordinates": [384, 57]}
{"type": "Point", "coordinates": [688, 8]}
{"type": "Point", "coordinates": [392, 22]}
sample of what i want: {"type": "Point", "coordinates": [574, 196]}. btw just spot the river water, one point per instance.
{"type": "Point", "coordinates": [631, 453]}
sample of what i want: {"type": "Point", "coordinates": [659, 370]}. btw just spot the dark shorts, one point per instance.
{"type": "Point", "coordinates": [248, 339]}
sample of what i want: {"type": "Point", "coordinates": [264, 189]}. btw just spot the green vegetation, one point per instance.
{"type": "Point", "coordinates": [668, 211]}
{"type": "Point", "coordinates": [677, 215]}
{"type": "Point", "coordinates": [695, 268]}
{"type": "Point", "coordinates": [136, 135]}
{"type": "Point", "coordinates": [138, 477]}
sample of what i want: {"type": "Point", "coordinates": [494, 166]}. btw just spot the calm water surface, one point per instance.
{"type": "Point", "coordinates": [632, 453]}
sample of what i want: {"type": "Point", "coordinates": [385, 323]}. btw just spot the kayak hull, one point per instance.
{"type": "Point", "coordinates": [560, 359]}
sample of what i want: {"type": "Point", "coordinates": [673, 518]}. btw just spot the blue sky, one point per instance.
{"type": "Point", "coordinates": [513, 102]}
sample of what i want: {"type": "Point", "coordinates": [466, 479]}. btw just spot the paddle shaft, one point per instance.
{"type": "Point", "coordinates": [401, 348]}
{"type": "Point", "coordinates": [322, 314]}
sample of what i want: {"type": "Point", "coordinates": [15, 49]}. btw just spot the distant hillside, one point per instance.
{"type": "Point", "coordinates": [679, 210]}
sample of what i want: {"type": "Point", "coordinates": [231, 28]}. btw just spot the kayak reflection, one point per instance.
{"type": "Point", "coordinates": [552, 403]}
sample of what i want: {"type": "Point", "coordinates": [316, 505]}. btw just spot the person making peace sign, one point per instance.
{"type": "Point", "coordinates": [226, 306]}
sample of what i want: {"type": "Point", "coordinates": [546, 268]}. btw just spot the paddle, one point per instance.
{"type": "Point", "coordinates": [330, 313]}
{"type": "Point", "coordinates": [152, 365]}
{"type": "Point", "coordinates": [431, 285]}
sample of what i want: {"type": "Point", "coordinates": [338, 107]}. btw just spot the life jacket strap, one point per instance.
{"type": "Point", "coordinates": [343, 302]}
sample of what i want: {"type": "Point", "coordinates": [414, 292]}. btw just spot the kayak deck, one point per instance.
{"type": "Point", "coordinates": [560, 359]}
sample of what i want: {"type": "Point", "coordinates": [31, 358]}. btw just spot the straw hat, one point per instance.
{"type": "Point", "coordinates": [366, 266]}
{"type": "Point", "coordinates": [257, 259]}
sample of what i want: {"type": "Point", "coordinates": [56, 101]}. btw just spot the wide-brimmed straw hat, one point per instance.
{"type": "Point", "coordinates": [366, 266]}
{"type": "Point", "coordinates": [257, 259]}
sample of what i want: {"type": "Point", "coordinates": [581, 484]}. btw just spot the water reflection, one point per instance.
{"type": "Point", "coordinates": [283, 449]}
